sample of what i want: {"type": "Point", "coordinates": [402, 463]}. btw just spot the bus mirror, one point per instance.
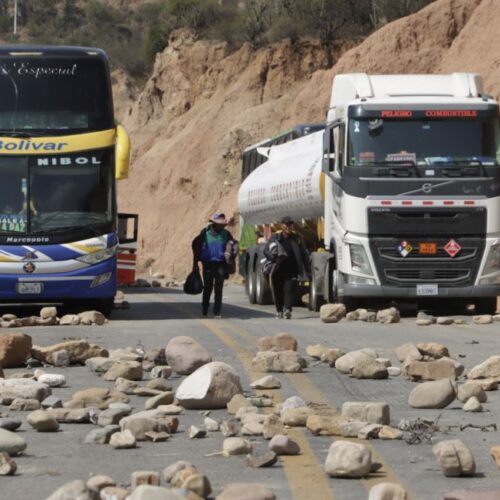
{"type": "Point", "coordinates": [122, 153]}
{"type": "Point", "coordinates": [328, 164]}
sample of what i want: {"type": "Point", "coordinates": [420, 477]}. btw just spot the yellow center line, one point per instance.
{"type": "Point", "coordinates": [309, 391]}
{"type": "Point", "coordinates": [306, 478]}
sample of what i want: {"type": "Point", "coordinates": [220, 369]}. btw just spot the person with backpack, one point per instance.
{"type": "Point", "coordinates": [290, 262]}
{"type": "Point", "coordinates": [214, 247]}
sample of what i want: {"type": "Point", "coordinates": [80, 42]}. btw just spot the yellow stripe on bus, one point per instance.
{"type": "Point", "coordinates": [59, 144]}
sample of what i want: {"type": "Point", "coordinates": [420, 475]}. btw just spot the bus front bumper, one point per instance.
{"type": "Point", "coordinates": [96, 281]}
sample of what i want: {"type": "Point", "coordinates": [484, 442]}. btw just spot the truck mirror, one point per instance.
{"type": "Point", "coordinates": [122, 153]}
{"type": "Point", "coordinates": [328, 163]}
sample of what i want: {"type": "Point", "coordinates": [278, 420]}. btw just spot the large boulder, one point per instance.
{"type": "Point", "coordinates": [332, 313]}
{"type": "Point", "coordinates": [185, 355]}
{"type": "Point", "coordinates": [375, 412]}
{"type": "Point", "coordinates": [487, 369]}
{"type": "Point", "coordinates": [11, 443]}
{"type": "Point", "coordinates": [387, 491]}
{"type": "Point", "coordinates": [454, 458]}
{"type": "Point", "coordinates": [433, 349]}
{"type": "Point", "coordinates": [280, 342]}
{"type": "Point", "coordinates": [471, 389]}
{"type": "Point", "coordinates": [74, 490]}
{"type": "Point", "coordinates": [435, 394]}
{"type": "Point", "coordinates": [98, 397]}
{"type": "Point", "coordinates": [130, 370]}
{"type": "Point", "coordinates": [211, 386]}
{"type": "Point", "coordinates": [246, 491]}
{"type": "Point", "coordinates": [430, 370]}
{"type": "Point", "coordinates": [347, 459]}
{"type": "Point", "coordinates": [79, 351]}
{"type": "Point", "coordinates": [23, 388]}
{"type": "Point", "coordinates": [348, 361]}
{"type": "Point", "coordinates": [278, 361]}
{"type": "Point", "coordinates": [15, 348]}
{"type": "Point", "coordinates": [149, 492]}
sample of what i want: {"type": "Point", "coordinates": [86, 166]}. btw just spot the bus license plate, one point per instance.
{"type": "Point", "coordinates": [29, 288]}
{"type": "Point", "coordinates": [427, 290]}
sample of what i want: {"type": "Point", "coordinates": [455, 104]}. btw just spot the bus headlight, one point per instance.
{"type": "Point", "coordinates": [359, 259]}
{"type": "Point", "coordinates": [491, 271]}
{"type": "Point", "coordinates": [100, 280]}
{"type": "Point", "coordinates": [96, 257]}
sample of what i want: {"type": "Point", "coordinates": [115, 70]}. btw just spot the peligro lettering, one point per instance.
{"type": "Point", "coordinates": [31, 146]}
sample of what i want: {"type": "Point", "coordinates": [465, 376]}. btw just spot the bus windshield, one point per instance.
{"type": "Point", "coordinates": [54, 95]}
{"type": "Point", "coordinates": [37, 198]}
{"type": "Point", "coordinates": [423, 142]}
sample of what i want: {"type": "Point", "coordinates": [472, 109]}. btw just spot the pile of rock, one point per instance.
{"type": "Point", "coordinates": [333, 313]}
{"type": "Point", "coordinates": [278, 354]}
{"type": "Point", "coordinates": [49, 317]}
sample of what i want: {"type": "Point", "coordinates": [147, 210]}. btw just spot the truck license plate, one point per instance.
{"type": "Point", "coordinates": [29, 288]}
{"type": "Point", "coordinates": [427, 289]}
{"type": "Point", "coordinates": [427, 248]}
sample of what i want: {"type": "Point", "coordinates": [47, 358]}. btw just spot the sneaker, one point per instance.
{"type": "Point", "coordinates": [217, 316]}
{"type": "Point", "coordinates": [279, 315]}
{"type": "Point", "coordinates": [288, 314]}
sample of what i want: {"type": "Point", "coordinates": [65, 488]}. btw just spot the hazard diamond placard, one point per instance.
{"type": "Point", "coordinates": [452, 248]}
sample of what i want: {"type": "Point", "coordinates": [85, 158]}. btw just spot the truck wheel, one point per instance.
{"type": "Point", "coordinates": [330, 289]}
{"type": "Point", "coordinates": [319, 265]}
{"type": "Point", "coordinates": [486, 305]}
{"type": "Point", "coordinates": [262, 289]}
{"type": "Point", "coordinates": [315, 299]}
{"type": "Point", "coordinates": [251, 286]}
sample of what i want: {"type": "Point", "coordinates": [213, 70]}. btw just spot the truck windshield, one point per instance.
{"type": "Point", "coordinates": [35, 198]}
{"type": "Point", "coordinates": [53, 96]}
{"type": "Point", "coordinates": [423, 142]}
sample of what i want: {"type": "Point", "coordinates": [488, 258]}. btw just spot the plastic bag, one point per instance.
{"type": "Point", "coordinates": [193, 284]}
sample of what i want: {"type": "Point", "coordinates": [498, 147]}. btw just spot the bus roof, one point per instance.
{"type": "Point", "coordinates": [52, 50]}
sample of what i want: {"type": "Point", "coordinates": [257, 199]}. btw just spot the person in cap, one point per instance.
{"type": "Point", "coordinates": [210, 248]}
{"type": "Point", "coordinates": [292, 265]}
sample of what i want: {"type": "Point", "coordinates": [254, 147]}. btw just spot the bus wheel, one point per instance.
{"type": "Point", "coordinates": [486, 305]}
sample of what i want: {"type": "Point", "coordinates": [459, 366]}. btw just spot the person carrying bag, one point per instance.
{"type": "Point", "coordinates": [211, 248]}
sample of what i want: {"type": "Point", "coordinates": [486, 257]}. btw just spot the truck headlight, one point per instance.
{"type": "Point", "coordinates": [491, 271]}
{"type": "Point", "coordinates": [359, 259]}
{"type": "Point", "coordinates": [96, 257]}
{"type": "Point", "coordinates": [352, 279]}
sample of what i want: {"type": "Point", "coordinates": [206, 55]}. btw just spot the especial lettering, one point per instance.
{"type": "Point", "coordinates": [28, 69]}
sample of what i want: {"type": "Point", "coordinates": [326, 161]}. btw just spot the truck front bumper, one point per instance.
{"type": "Point", "coordinates": [377, 291]}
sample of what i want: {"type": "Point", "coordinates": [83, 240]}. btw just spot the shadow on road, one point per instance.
{"type": "Point", "coordinates": [181, 310]}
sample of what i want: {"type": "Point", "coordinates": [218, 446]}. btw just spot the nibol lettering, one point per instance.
{"type": "Point", "coordinates": [31, 146]}
{"type": "Point", "coordinates": [66, 161]}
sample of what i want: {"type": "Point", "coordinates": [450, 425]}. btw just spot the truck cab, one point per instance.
{"type": "Point", "coordinates": [412, 192]}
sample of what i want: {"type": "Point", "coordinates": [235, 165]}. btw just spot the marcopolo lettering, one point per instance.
{"type": "Point", "coordinates": [25, 145]}
{"type": "Point", "coordinates": [64, 161]}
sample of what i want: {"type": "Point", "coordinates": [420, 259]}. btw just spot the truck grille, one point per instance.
{"type": "Point", "coordinates": [389, 227]}
{"type": "Point", "coordinates": [396, 270]}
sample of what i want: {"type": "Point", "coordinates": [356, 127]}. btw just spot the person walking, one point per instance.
{"type": "Point", "coordinates": [210, 248]}
{"type": "Point", "coordinates": [287, 251]}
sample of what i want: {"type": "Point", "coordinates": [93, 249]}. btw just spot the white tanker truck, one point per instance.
{"type": "Point", "coordinates": [397, 196]}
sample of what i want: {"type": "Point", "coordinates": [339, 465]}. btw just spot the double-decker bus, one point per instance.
{"type": "Point", "coordinates": [60, 155]}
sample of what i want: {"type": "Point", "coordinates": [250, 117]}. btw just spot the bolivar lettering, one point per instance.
{"type": "Point", "coordinates": [396, 113]}
{"type": "Point", "coordinates": [451, 113]}
{"type": "Point", "coordinates": [25, 145]}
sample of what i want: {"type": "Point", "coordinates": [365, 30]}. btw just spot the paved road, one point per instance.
{"type": "Point", "coordinates": [159, 314]}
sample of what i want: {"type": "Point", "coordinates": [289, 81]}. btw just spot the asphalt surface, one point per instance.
{"type": "Point", "coordinates": [157, 315]}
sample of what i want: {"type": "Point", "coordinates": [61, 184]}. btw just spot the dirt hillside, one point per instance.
{"type": "Point", "coordinates": [202, 107]}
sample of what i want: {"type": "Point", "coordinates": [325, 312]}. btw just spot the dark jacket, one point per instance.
{"type": "Point", "coordinates": [203, 251]}
{"type": "Point", "coordinates": [299, 251]}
